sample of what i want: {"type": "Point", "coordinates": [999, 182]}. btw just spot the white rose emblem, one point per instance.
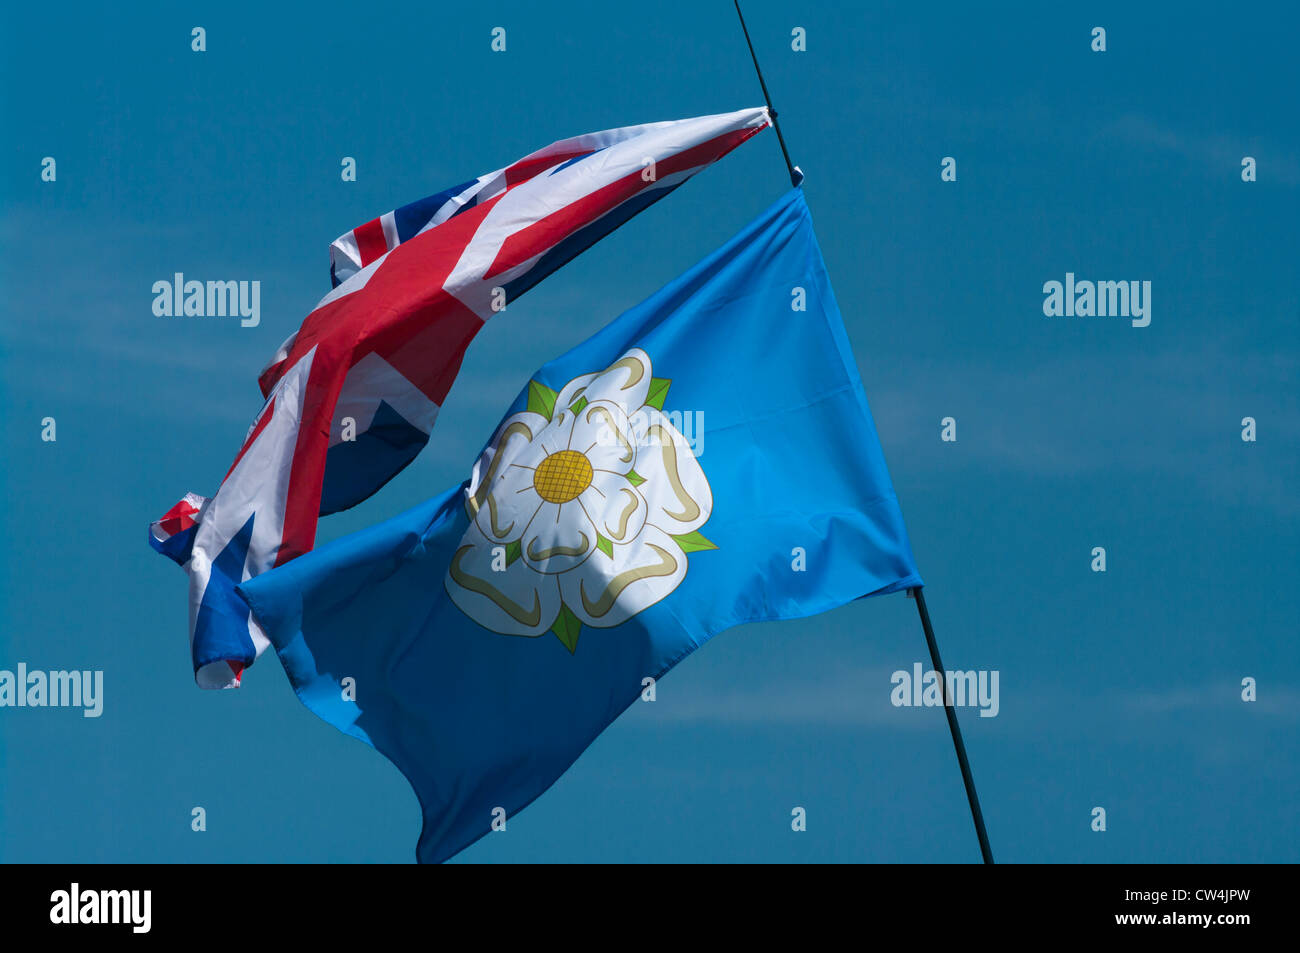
{"type": "Point", "coordinates": [582, 508]}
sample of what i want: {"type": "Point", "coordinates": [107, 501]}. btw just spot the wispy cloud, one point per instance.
{"type": "Point", "coordinates": [1214, 153]}
{"type": "Point", "coordinates": [1172, 418]}
{"type": "Point", "coordinates": [1283, 702]}
{"type": "Point", "coordinates": [849, 697]}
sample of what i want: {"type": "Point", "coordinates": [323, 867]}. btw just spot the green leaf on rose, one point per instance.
{"type": "Point", "coordinates": [694, 542]}
{"type": "Point", "coordinates": [567, 627]}
{"type": "Point", "coordinates": [658, 391]}
{"type": "Point", "coordinates": [541, 399]}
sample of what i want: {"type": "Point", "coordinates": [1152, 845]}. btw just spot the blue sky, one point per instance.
{"type": "Point", "coordinates": [1119, 690]}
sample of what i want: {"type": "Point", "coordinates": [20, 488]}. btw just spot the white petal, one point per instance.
{"type": "Point", "coordinates": [504, 501]}
{"type": "Point", "coordinates": [615, 506]}
{"type": "Point", "coordinates": [558, 538]}
{"type": "Point", "coordinates": [555, 437]}
{"type": "Point", "coordinates": [675, 486]}
{"type": "Point", "coordinates": [625, 382]}
{"type": "Point", "coordinates": [516, 601]}
{"type": "Point", "coordinates": [605, 591]}
{"type": "Point", "coordinates": [573, 390]}
{"type": "Point", "coordinates": [603, 434]}
{"type": "Point", "coordinates": [511, 439]}
{"type": "Point", "coordinates": [510, 506]}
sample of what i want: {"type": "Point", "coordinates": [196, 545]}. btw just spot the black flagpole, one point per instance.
{"type": "Point", "coordinates": [796, 174]}
{"type": "Point", "coordinates": [955, 729]}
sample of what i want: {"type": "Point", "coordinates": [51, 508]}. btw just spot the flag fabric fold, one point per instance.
{"type": "Point", "coordinates": [350, 398]}
{"type": "Point", "coordinates": [708, 459]}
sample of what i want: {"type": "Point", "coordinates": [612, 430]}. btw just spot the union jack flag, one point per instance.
{"type": "Point", "coordinates": [352, 395]}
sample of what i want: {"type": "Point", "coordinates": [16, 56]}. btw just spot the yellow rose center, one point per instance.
{"type": "Point", "coordinates": [562, 476]}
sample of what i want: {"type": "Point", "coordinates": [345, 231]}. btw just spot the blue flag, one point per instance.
{"type": "Point", "coordinates": [706, 460]}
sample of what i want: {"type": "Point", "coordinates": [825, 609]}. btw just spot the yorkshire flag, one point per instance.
{"type": "Point", "coordinates": [706, 460]}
